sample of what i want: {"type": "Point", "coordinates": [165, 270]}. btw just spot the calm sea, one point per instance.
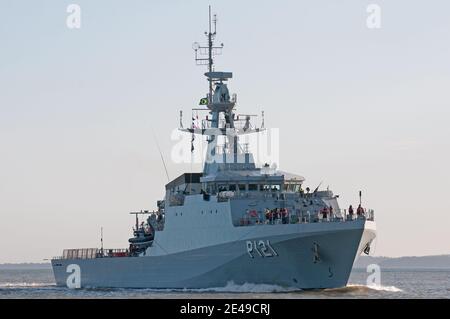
{"type": "Point", "coordinates": [17, 283]}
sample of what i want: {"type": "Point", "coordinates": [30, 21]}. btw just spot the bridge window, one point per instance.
{"type": "Point", "coordinates": [292, 187]}
{"type": "Point", "coordinates": [253, 187]}
{"type": "Point", "coordinates": [275, 187]}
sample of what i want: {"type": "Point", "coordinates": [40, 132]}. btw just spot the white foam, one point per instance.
{"type": "Point", "coordinates": [25, 284]}
{"type": "Point", "coordinates": [230, 287]}
{"type": "Point", "coordinates": [385, 288]}
{"type": "Point", "coordinates": [246, 288]}
{"type": "Point", "coordinates": [379, 287]}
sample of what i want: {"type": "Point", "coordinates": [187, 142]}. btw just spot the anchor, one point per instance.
{"type": "Point", "coordinates": [315, 250]}
{"type": "Point", "coordinates": [367, 248]}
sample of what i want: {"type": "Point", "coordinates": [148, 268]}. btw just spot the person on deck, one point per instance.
{"type": "Point", "coordinates": [325, 212]}
{"type": "Point", "coordinates": [360, 211]}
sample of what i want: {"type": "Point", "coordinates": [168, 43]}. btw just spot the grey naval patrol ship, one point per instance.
{"type": "Point", "coordinates": [232, 223]}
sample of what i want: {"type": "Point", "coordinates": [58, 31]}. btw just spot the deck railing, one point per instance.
{"type": "Point", "coordinates": [258, 218]}
{"type": "Point", "coordinates": [91, 253]}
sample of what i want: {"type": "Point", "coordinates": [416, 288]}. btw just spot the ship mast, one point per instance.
{"type": "Point", "coordinates": [218, 101]}
{"type": "Point", "coordinates": [209, 50]}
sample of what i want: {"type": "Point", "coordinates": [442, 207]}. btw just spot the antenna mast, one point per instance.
{"type": "Point", "coordinates": [221, 107]}
{"type": "Point", "coordinates": [209, 50]}
{"type": "Point", "coordinates": [160, 152]}
{"type": "Point", "coordinates": [101, 239]}
{"type": "Point", "coordinates": [211, 36]}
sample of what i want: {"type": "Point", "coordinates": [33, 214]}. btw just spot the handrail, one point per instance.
{"type": "Point", "coordinates": [295, 218]}
{"type": "Point", "coordinates": [92, 253]}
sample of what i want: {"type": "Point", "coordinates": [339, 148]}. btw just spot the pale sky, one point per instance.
{"type": "Point", "coordinates": [358, 108]}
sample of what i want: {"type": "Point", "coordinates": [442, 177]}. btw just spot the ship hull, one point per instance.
{"type": "Point", "coordinates": [294, 257]}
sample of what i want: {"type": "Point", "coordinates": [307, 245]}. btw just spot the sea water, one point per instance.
{"type": "Point", "coordinates": [414, 283]}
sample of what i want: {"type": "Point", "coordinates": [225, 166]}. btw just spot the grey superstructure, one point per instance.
{"type": "Point", "coordinates": [234, 222]}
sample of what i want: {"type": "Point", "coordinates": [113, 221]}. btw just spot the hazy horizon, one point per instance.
{"type": "Point", "coordinates": [357, 108]}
